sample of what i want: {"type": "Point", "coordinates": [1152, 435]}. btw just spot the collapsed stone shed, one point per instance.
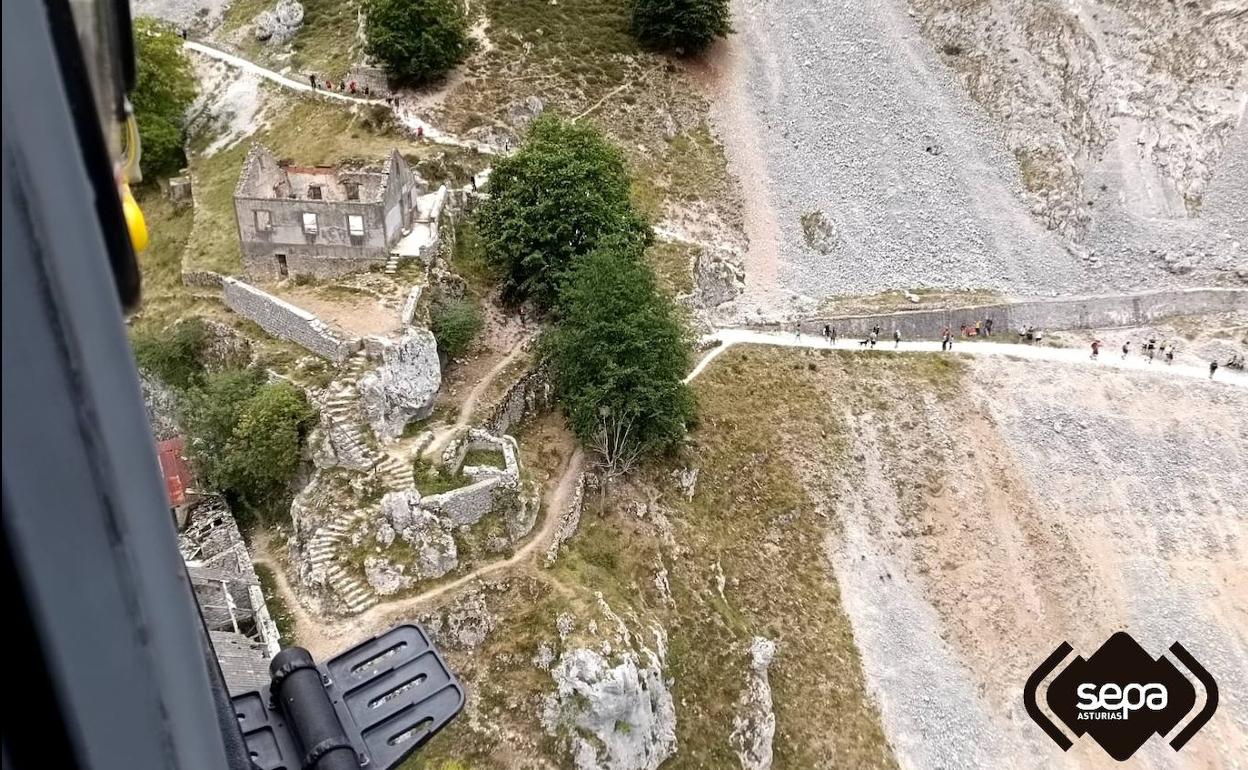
{"type": "Point", "coordinates": [321, 221]}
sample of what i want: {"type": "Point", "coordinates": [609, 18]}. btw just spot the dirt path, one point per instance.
{"type": "Point", "coordinates": [443, 434]}
{"type": "Point", "coordinates": [730, 337]}
{"type": "Point", "coordinates": [406, 116]}
{"type": "Point", "coordinates": [326, 637]}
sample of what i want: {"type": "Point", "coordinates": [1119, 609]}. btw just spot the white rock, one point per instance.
{"type": "Point", "coordinates": [754, 727]}
{"type": "Point", "coordinates": [402, 389]}
{"type": "Point", "coordinates": [617, 717]}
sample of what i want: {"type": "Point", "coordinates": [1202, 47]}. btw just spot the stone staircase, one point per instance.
{"type": "Point", "coordinates": [392, 264]}
{"type": "Point", "coordinates": [343, 408]}
{"type": "Point", "coordinates": [396, 473]}
{"type": "Point", "coordinates": [324, 549]}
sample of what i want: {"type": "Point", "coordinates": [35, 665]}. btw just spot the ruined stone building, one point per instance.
{"type": "Point", "coordinates": [243, 634]}
{"type": "Point", "coordinates": [329, 220]}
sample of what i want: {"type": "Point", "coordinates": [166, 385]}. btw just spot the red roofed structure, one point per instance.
{"type": "Point", "coordinates": [177, 473]}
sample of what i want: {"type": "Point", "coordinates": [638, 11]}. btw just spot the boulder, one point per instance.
{"type": "Point", "coordinates": [384, 576]}
{"type": "Point", "coordinates": [280, 24]}
{"type": "Point", "coordinates": [615, 717]}
{"type": "Point", "coordinates": [523, 113]}
{"type": "Point", "coordinates": [402, 389]}
{"type": "Point", "coordinates": [433, 547]}
{"type": "Point", "coordinates": [819, 231]}
{"type": "Point", "coordinates": [718, 280]}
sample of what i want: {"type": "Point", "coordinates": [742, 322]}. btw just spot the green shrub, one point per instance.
{"type": "Point", "coordinates": [682, 26]}
{"type": "Point", "coordinates": [163, 92]}
{"type": "Point", "coordinates": [455, 323]}
{"type": "Point", "coordinates": [550, 203]}
{"type": "Point", "coordinates": [416, 40]}
{"type": "Point", "coordinates": [173, 356]}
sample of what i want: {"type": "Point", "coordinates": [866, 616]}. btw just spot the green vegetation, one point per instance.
{"type": "Point", "coordinates": [323, 43]}
{"type": "Point", "coordinates": [455, 323]}
{"type": "Point", "coordinates": [491, 458]}
{"type": "Point", "coordinates": [551, 203]}
{"type": "Point", "coordinates": [245, 434]}
{"type": "Point", "coordinates": [281, 614]}
{"type": "Point", "coordinates": [247, 438]}
{"type": "Point", "coordinates": [468, 258]}
{"type": "Point", "coordinates": [164, 89]}
{"type": "Point", "coordinates": [173, 357]}
{"type": "Point", "coordinates": [435, 481]}
{"type": "Point", "coordinates": [682, 26]}
{"type": "Point", "coordinates": [417, 40]}
{"type": "Point", "coordinates": [619, 354]}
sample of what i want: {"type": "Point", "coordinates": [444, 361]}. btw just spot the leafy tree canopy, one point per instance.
{"type": "Point", "coordinates": [619, 353]}
{"type": "Point", "coordinates": [552, 202]}
{"type": "Point", "coordinates": [246, 438]}
{"type": "Point", "coordinates": [683, 26]}
{"type": "Point", "coordinates": [417, 40]}
{"type": "Point", "coordinates": [163, 91]}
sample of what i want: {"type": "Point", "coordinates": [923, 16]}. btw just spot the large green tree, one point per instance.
{"type": "Point", "coordinates": [163, 91]}
{"type": "Point", "coordinates": [247, 438]}
{"type": "Point", "coordinates": [683, 26]}
{"type": "Point", "coordinates": [416, 40]}
{"type": "Point", "coordinates": [618, 357]}
{"type": "Point", "coordinates": [550, 203]}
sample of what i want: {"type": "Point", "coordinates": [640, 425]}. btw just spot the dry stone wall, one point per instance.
{"type": "Point", "coordinates": [1072, 313]}
{"type": "Point", "coordinates": [282, 319]}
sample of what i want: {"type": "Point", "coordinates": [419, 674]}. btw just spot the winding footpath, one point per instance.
{"type": "Point", "coordinates": [405, 116]}
{"type": "Point", "coordinates": [324, 637]}
{"type": "Point", "coordinates": [727, 338]}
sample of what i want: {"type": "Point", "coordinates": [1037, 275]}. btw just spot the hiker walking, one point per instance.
{"type": "Point", "coordinates": [833, 338]}
{"type": "Point", "coordinates": [1170, 354]}
{"type": "Point", "coordinates": [875, 333]}
{"type": "Point", "coordinates": [827, 332]}
{"type": "Point", "coordinates": [1213, 367]}
{"type": "Point", "coordinates": [1126, 348]}
{"type": "Point", "coordinates": [797, 330]}
{"type": "Point", "coordinates": [896, 338]}
{"type": "Point", "coordinates": [1096, 349]}
{"type": "Point", "coordinates": [988, 326]}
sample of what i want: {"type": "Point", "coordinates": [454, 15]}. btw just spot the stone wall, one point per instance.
{"type": "Point", "coordinates": [569, 519]}
{"type": "Point", "coordinates": [202, 278]}
{"type": "Point", "coordinates": [282, 319]}
{"type": "Point", "coordinates": [1048, 314]}
{"type": "Point", "coordinates": [527, 397]}
{"type": "Point", "coordinates": [467, 505]}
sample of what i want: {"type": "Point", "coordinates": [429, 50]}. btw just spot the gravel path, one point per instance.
{"type": "Point", "coordinates": [726, 338]}
{"type": "Point", "coordinates": [861, 124]}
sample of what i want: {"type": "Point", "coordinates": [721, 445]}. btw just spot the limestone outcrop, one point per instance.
{"type": "Point", "coordinates": [402, 389]}
{"type": "Point", "coordinates": [615, 709]}
{"type": "Point", "coordinates": [754, 727]}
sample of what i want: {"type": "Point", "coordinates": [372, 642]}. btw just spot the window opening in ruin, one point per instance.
{"type": "Point", "coordinates": [355, 225]}
{"type": "Point", "coordinates": [282, 269]}
{"type": "Point", "coordinates": [314, 192]}
{"type": "Point", "coordinates": [352, 190]}
{"type": "Point", "coordinates": [264, 221]}
{"type": "Point", "coordinates": [309, 224]}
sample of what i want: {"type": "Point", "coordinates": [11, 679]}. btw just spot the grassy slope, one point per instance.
{"type": "Point", "coordinates": [578, 56]}
{"type": "Point", "coordinates": [762, 413]}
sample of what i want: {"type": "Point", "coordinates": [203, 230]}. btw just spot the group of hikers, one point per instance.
{"type": "Point", "coordinates": [345, 86]}
{"type": "Point", "coordinates": [1148, 348]}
